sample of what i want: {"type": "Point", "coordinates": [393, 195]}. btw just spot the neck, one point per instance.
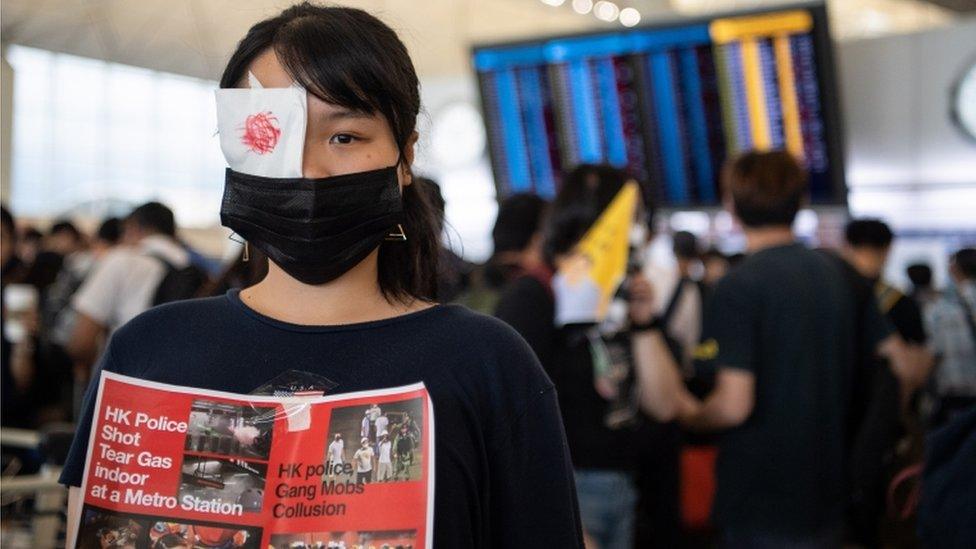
{"type": "Point", "coordinates": [758, 238]}
{"type": "Point", "coordinates": [353, 297]}
{"type": "Point", "coordinates": [862, 263]}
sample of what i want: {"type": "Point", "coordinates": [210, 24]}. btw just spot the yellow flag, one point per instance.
{"type": "Point", "coordinates": [606, 245]}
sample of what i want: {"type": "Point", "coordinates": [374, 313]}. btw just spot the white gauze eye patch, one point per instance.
{"type": "Point", "coordinates": [262, 130]}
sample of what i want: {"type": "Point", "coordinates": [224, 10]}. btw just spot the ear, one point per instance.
{"type": "Point", "coordinates": [409, 153]}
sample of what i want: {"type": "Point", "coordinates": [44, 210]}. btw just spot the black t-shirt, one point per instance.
{"type": "Point", "coordinates": [875, 418]}
{"type": "Point", "coordinates": [502, 474]}
{"type": "Point", "coordinates": [903, 312]}
{"type": "Point", "coordinates": [528, 306]}
{"type": "Point", "coordinates": [787, 315]}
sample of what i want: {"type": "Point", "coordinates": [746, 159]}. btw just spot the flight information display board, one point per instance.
{"type": "Point", "coordinates": [667, 103]}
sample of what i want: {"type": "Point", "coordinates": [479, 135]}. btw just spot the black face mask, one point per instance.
{"type": "Point", "coordinates": [314, 229]}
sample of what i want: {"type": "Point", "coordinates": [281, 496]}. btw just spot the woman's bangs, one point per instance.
{"type": "Point", "coordinates": [316, 52]}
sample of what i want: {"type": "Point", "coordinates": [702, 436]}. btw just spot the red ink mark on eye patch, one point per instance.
{"type": "Point", "coordinates": [261, 132]}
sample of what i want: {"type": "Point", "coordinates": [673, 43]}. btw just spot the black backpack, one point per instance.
{"type": "Point", "coordinates": [676, 348]}
{"type": "Point", "coordinates": [178, 283]}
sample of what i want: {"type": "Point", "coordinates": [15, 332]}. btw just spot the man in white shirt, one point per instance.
{"type": "Point", "coordinates": [373, 412]}
{"type": "Point", "coordinates": [381, 423]}
{"type": "Point", "coordinates": [364, 462]}
{"type": "Point", "coordinates": [336, 454]}
{"type": "Point", "coordinates": [124, 283]}
{"type": "Point", "coordinates": [384, 470]}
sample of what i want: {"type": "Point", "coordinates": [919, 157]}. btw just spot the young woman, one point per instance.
{"type": "Point", "coordinates": [344, 301]}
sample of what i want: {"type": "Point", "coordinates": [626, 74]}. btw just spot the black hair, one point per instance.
{"type": "Point", "coordinates": [965, 261]}
{"type": "Point", "coordinates": [564, 229]}
{"type": "Point", "coordinates": [920, 274]}
{"type": "Point", "coordinates": [519, 217]}
{"type": "Point", "coordinates": [435, 197]}
{"type": "Point", "coordinates": [868, 233]}
{"type": "Point", "coordinates": [7, 219]}
{"type": "Point", "coordinates": [767, 188]}
{"type": "Point", "coordinates": [154, 217]}
{"type": "Point", "coordinates": [110, 230]}
{"type": "Point", "coordinates": [65, 226]}
{"type": "Point", "coordinates": [586, 192]}
{"type": "Point", "coordinates": [349, 58]}
{"type": "Point", "coordinates": [684, 244]}
{"type": "Point", "coordinates": [590, 185]}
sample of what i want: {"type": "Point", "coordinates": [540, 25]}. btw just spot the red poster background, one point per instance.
{"type": "Point", "coordinates": [393, 506]}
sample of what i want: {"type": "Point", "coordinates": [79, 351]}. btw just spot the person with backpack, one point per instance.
{"type": "Point", "coordinates": [952, 322]}
{"type": "Point", "coordinates": [681, 315]}
{"type": "Point", "coordinates": [149, 268]}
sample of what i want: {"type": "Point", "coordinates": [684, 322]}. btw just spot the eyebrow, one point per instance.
{"type": "Point", "coordinates": [343, 114]}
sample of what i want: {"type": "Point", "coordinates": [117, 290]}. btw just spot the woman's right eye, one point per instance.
{"type": "Point", "coordinates": [342, 139]}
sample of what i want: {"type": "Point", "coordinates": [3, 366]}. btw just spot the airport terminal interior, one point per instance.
{"type": "Point", "coordinates": [668, 273]}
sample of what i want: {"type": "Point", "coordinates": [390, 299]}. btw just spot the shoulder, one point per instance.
{"type": "Point", "coordinates": [498, 358]}
{"type": "Point", "coordinates": [116, 260]}
{"type": "Point", "coordinates": [739, 278]}
{"type": "Point", "coordinates": [493, 336]}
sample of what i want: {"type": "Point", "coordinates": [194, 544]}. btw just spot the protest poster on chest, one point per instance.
{"type": "Point", "coordinates": [172, 466]}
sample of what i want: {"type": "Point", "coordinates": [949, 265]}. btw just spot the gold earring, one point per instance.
{"type": "Point", "coordinates": [247, 252]}
{"type": "Point", "coordinates": [400, 236]}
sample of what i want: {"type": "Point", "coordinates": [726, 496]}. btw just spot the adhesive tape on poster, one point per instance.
{"type": "Point", "coordinates": [298, 411]}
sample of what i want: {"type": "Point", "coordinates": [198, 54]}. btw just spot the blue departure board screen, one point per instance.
{"type": "Point", "coordinates": [667, 103]}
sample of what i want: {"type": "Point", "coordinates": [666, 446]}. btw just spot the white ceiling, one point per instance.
{"type": "Point", "coordinates": [194, 37]}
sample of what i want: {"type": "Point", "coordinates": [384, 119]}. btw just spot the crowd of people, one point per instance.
{"type": "Point", "coordinates": [818, 379]}
{"type": "Point", "coordinates": [814, 378]}
{"type": "Point", "coordinates": [386, 452]}
{"type": "Point", "coordinates": [72, 290]}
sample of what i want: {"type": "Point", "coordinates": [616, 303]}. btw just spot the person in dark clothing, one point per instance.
{"type": "Point", "coordinates": [516, 238]}
{"type": "Point", "coordinates": [716, 266]}
{"type": "Point", "coordinates": [782, 331]}
{"type": "Point", "coordinates": [948, 500]}
{"type": "Point", "coordinates": [876, 421]}
{"type": "Point", "coordinates": [605, 454]}
{"type": "Point", "coordinates": [349, 295]}
{"type": "Point", "coordinates": [17, 378]}
{"type": "Point", "coordinates": [920, 275]}
{"type": "Point", "coordinates": [887, 417]}
{"type": "Point", "coordinates": [454, 277]}
{"type": "Point", "coordinates": [868, 245]}
{"type": "Point", "coordinates": [525, 301]}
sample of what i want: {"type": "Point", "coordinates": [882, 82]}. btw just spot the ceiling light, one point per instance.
{"type": "Point", "coordinates": [582, 6]}
{"type": "Point", "coordinates": [629, 17]}
{"type": "Point", "coordinates": [606, 11]}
